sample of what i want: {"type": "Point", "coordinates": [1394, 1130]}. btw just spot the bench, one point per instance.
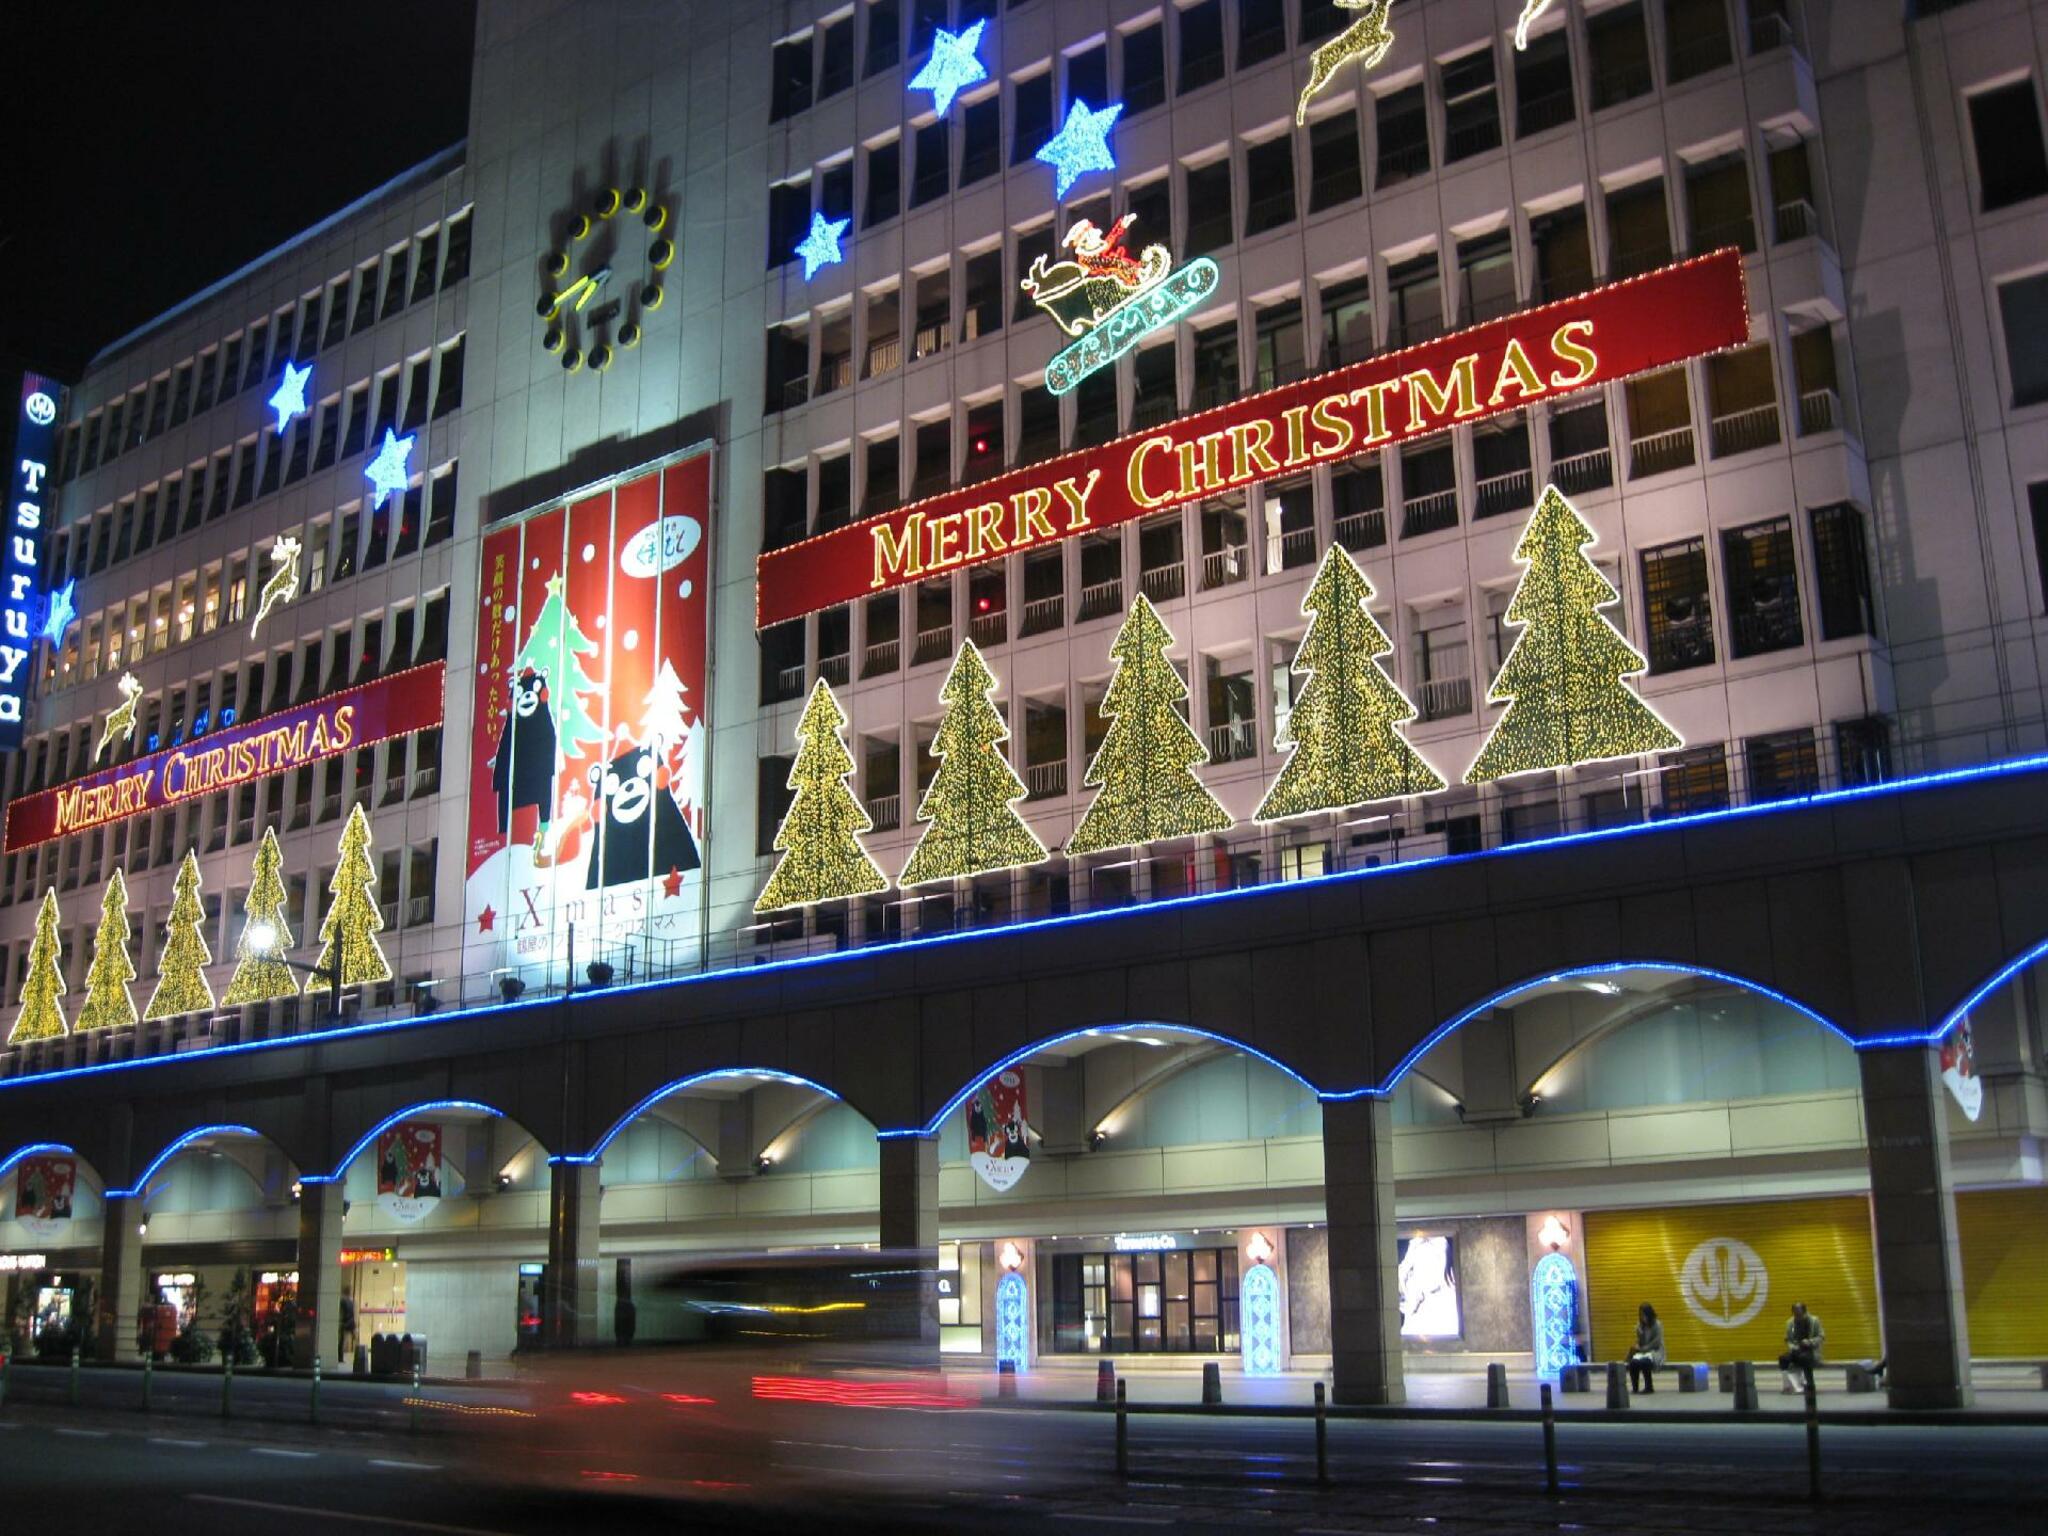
{"type": "Point", "coordinates": [1857, 1375]}
{"type": "Point", "coordinates": [1691, 1377]}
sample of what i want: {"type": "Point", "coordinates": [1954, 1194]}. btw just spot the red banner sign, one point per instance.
{"type": "Point", "coordinates": [1613, 333]}
{"type": "Point", "coordinates": [240, 754]}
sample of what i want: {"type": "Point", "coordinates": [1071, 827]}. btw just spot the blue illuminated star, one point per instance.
{"type": "Point", "coordinates": [388, 471]}
{"type": "Point", "coordinates": [951, 66]}
{"type": "Point", "coordinates": [1082, 144]}
{"type": "Point", "coordinates": [59, 612]}
{"type": "Point", "coordinates": [820, 248]}
{"type": "Point", "coordinates": [290, 399]}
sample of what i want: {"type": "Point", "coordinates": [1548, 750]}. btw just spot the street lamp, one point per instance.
{"type": "Point", "coordinates": [261, 937]}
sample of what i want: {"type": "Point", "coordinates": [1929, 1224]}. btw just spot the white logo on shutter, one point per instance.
{"type": "Point", "coordinates": [1723, 1282]}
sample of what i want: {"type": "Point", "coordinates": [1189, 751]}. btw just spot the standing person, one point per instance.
{"type": "Point", "coordinates": [1648, 1353]}
{"type": "Point", "coordinates": [1803, 1339]}
{"type": "Point", "coordinates": [347, 1332]}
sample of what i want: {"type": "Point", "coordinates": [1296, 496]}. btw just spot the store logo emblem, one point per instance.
{"type": "Point", "coordinates": [1724, 1282]}
{"type": "Point", "coordinates": [42, 410]}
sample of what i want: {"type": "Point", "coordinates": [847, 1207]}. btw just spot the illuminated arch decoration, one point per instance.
{"type": "Point", "coordinates": [369, 1137]}
{"type": "Point", "coordinates": [156, 1164]}
{"type": "Point", "coordinates": [1258, 1297]}
{"type": "Point", "coordinates": [1013, 1321]}
{"type": "Point", "coordinates": [1554, 1308]}
{"type": "Point", "coordinates": [668, 1090]}
{"type": "Point", "coordinates": [35, 1149]}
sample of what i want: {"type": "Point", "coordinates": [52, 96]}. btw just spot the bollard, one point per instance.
{"type": "Point", "coordinates": [473, 1365]}
{"type": "Point", "coordinates": [415, 1396]}
{"type": "Point", "coordinates": [1745, 1386]}
{"type": "Point", "coordinates": [1322, 1437]}
{"type": "Point", "coordinates": [76, 1355]}
{"type": "Point", "coordinates": [4, 1357]}
{"type": "Point", "coordinates": [1123, 1433]}
{"type": "Point", "coordinates": [1549, 1441]}
{"type": "Point", "coordinates": [313, 1405]}
{"type": "Point", "coordinates": [227, 1385]}
{"type": "Point", "coordinates": [1212, 1384]}
{"type": "Point", "coordinates": [148, 1378]}
{"type": "Point", "coordinates": [1006, 1378]}
{"type": "Point", "coordinates": [1105, 1381]}
{"type": "Point", "coordinates": [1496, 1386]}
{"type": "Point", "coordinates": [1617, 1386]}
{"type": "Point", "coordinates": [1812, 1441]}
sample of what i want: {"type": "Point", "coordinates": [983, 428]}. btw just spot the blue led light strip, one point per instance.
{"type": "Point", "coordinates": [34, 1149]}
{"type": "Point", "coordinates": [725, 1074]}
{"type": "Point", "coordinates": [142, 1184]}
{"type": "Point", "coordinates": [2007, 769]}
{"type": "Point", "coordinates": [369, 1136]}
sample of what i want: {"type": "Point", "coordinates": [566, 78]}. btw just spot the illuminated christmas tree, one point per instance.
{"type": "Point", "coordinates": [1563, 681]}
{"type": "Point", "coordinates": [42, 1015]}
{"type": "Point", "coordinates": [181, 984]}
{"type": "Point", "coordinates": [260, 971]}
{"type": "Point", "coordinates": [354, 913]}
{"type": "Point", "coordinates": [819, 839]}
{"type": "Point", "coordinates": [1345, 726]}
{"type": "Point", "coordinates": [1144, 769]}
{"type": "Point", "coordinates": [555, 648]}
{"type": "Point", "coordinates": [108, 1002]}
{"type": "Point", "coordinates": [970, 806]}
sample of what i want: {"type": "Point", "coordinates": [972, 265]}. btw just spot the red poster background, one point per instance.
{"type": "Point", "coordinates": [43, 1187]}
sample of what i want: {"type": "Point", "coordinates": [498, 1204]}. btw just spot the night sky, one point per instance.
{"type": "Point", "coordinates": [154, 148]}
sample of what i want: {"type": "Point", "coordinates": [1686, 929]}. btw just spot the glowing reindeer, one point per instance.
{"type": "Point", "coordinates": [283, 584]}
{"type": "Point", "coordinates": [1366, 39]}
{"type": "Point", "coordinates": [120, 722]}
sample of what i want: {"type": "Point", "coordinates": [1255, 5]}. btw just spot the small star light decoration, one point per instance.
{"type": "Point", "coordinates": [820, 248]}
{"type": "Point", "coordinates": [1081, 145]}
{"type": "Point", "coordinates": [952, 65]}
{"type": "Point", "coordinates": [290, 399]}
{"type": "Point", "coordinates": [388, 471]}
{"type": "Point", "coordinates": [58, 613]}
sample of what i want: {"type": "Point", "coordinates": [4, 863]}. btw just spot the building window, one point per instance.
{"type": "Point", "coordinates": [1620, 45]}
{"type": "Point", "coordinates": [1280, 357]}
{"type": "Point", "coordinates": [1088, 76]}
{"type": "Point", "coordinates": [1207, 199]}
{"type": "Point", "coordinates": [1402, 118]}
{"type": "Point", "coordinates": [885, 185]}
{"type": "Point", "coordinates": [1814, 381]}
{"type": "Point", "coordinates": [789, 87]}
{"type": "Point", "coordinates": [448, 391]}
{"type": "Point", "coordinates": [933, 175]}
{"type": "Point", "coordinates": [426, 261]}
{"type": "Point", "coordinates": [1694, 780]}
{"type": "Point", "coordinates": [1841, 572]}
{"type": "Point", "coordinates": [1638, 229]}
{"type": "Point", "coordinates": [1781, 766]}
{"type": "Point", "coordinates": [1180, 1301]}
{"type": "Point", "coordinates": [981, 312]}
{"type": "Point", "coordinates": [1443, 664]}
{"type": "Point", "coordinates": [981, 152]}
{"type": "Point", "coordinates": [1201, 45]}
{"type": "Point", "coordinates": [1678, 607]}
{"type": "Point", "coordinates": [1415, 301]}
{"type": "Point", "coordinates": [1215, 366]}
{"type": "Point", "coordinates": [772, 798]}
{"type": "Point", "coordinates": [1032, 108]}
{"type": "Point", "coordinates": [1717, 204]}
{"type": "Point", "coordinates": [1863, 750]}
{"type": "Point", "coordinates": [1269, 185]}
{"type": "Point", "coordinates": [1742, 400]}
{"type": "Point", "coordinates": [1031, 244]}
{"type": "Point", "coordinates": [1486, 273]}
{"type": "Point", "coordinates": [1347, 322]}
{"type": "Point", "coordinates": [1696, 37]}
{"type": "Point", "coordinates": [782, 662]}
{"type": "Point", "coordinates": [1543, 84]}
{"type": "Point", "coordinates": [2037, 507]}
{"type": "Point", "coordinates": [1763, 588]}
{"type": "Point", "coordinates": [1471, 106]}
{"type": "Point", "coordinates": [788, 367]}
{"type": "Point", "coordinates": [1358, 505]}
{"type": "Point", "coordinates": [455, 262]}
{"type": "Point", "coordinates": [835, 67]}
{"type": "Point", "coordinates": [1335, 174]}
{"type": "Point", "coordinates": [1564, 252]}
{"type": "Point", "coordinates": [885, 37]}
{"type": "Point", "coordinates": [1261, 31]}
{"type": "Point", "coordinates": [2005, 127]}
{"type": "Point", "coordinates": [2023, 306]}
{"type": "Point", "coordinates": [783, 512]}
{"type": "Point", "coordinates": [789, 216]}
{"type": "Point", "coordinates": [1659, 423]}
{"type": "Point", "coordinates": [1500, 467]}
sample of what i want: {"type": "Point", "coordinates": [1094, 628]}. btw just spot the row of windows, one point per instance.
{"type": "Point", "coordinates": [333, 547]}
{"type": "Point", "coordinates": [437, 258]}
{"type": "Point", "coordinates": [305, 904]}
{"type": "Point", "coordinates": [1469, 110]}
{"type": "Point", "coordinates": [340, 427]}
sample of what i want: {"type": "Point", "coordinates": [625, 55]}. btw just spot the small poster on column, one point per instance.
{"type": "Point", "coordinates": [998, 1137]}
{"type": "Point", "coordinates": [409, 1171]}
{"type": "Point", "coordinates": [1959, 1070]}
{"type": "Point", "coordinates": [42, 1194]}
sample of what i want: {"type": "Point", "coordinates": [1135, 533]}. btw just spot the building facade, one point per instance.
{"type": "Point", "coordinates": [590, 330]}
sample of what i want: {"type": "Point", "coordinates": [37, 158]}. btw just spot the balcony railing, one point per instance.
{"type": "Point", "coordinates": [1445, 697]}
{"type": "Point", "coordinates": [1740, 232]}
{"type": "Point", "coordinates": [1035, 447]}
{"type": "Point", "coordinates": [988, 628]}
{"type": "Point", "coordinates": [885, 355]}
{"type": "Point", "coordinates": [789, 681]}
{"type": "Point", "coordinates": [1151, 407]}
{"type": "Point", "coordinates": [926, 340]}
{"type": "Point", "coordinates": [1768, 31]}
{"type": "Point", "coordinates": [932, 645]}
{"type": "Point", "coordinates": [1533, 114]}
{"type": "Point", "coordinates": [1044, 780]}
{"type": "Point", "coordinates": [1163, 583]}
{"type": "Point", "coordinates": [1429, 514]}
{"type": "Point", "coordinates": [1043, 613]}
{"type": "Point", "coordinates": [1104, 597]}
{"type": "Point", "coordinates": [834, 669]}
{"type": "Point", "coordinates": [1633, 261]}
{"type": "Point", "coordinates": [1358, 531]}
{"type": "Point", "coordinates": [1297, 546]}
{"type": "Point", "coordinates": [1796, 220]}
{"type": "Point", "coordinates": [1581, 472]}
{"type": "Point", "coordinates": [1744, 431]}
{"type": "Point", "coordinates": [1222, 567]}
{"type": "Point", "coordinates": [1473, 138]}
{"type": "Point", "coordinates": [1678, 645]}
{"type": "Point", "coordinates": [1503, 493]}
{"type": "Point", "coordinates": [1400, 161]}
{"type": "Point", "coordinates": [1232, 740]}
{"type": "Point", "coordinates": [1660, 452]}
{"type": "Point", "coordinates": [835, 371]}
{"type": "Point", "coordinates": [418, 910]}
{"type": "Point", "coordinates": [1767, 627]}
{"type": "Point", "coordinates": [1820, 410]}
{"type": "Point", "coordinates": [881, 656]}
{"type": "Point", "coordinates": [1273, 375]}
{"type": "Point", "coordinates": [886, 812]}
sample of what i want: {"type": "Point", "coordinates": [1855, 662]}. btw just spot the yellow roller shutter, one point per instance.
{"type": "Point", "coordinates": [2004, 1236]}
{"type": "Point", "coordinates": [1723, 1277]}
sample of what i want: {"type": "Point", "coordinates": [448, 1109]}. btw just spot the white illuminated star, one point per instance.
{"type": "Point", "coordinates": [388, 471]}
{"type": "Point", "coordinates": [61, 611]}
{"type": "Point", "coordinates": [952, 65]}
{"type": "Point", "coordinates": [820, 248]}
{"type": "Point", "coordinates": [1082, 144]}
{"type": "Point", "coordinates": [290, 399]}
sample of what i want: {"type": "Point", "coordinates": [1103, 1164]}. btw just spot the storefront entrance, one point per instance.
{"type": "Point", "coordinates": [1173, 1300]}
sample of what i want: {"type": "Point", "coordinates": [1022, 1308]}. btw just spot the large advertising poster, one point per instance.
{"type": "Point", "coordinates": [409, 1170]}
{"type": "Point", "coordinates": [43, 1188]}
{"type": "Point", "coordinates": [588, 745]}
{"type": "Point", "coordinates": [998, 1132]}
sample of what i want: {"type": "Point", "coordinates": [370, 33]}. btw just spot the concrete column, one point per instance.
{"type": "Point", "coordinates": [569, 1295]}
{"type": "Point", "coordinates": [320, 1276]}
{"type": "Point", "coordinates": [119, 1297]}
{"type": "Point", "coordinates": [1365, 1294]}
{"type": "Point", "coordinates": [910, 1229]}
{"type": "Point", "coordinates": [1913, 1208]}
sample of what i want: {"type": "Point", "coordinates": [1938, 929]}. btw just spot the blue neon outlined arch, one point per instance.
{"type": "Point", "coordinates": [716, 1074]}
{"type": "Point", "coordinates": [156, 1163]}
{"type": "Point", "coordinates": [1095, 1031]}
{"type": "Point", "coordinates": [34, 1149]}
{"type": "Point", "coordinates": [1957, 1014]}
{"type": "Point", "coordinates": [363, 1143]}
{"type": "Point", "coordinates": [1572, 973]}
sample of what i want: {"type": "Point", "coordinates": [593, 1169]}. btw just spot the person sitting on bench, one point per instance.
{"type": "Point", "coordinates": [1648, 1353]}
{"type": "Point", "coordinates": [1803, 1339]}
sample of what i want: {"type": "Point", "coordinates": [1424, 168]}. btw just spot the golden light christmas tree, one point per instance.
{"type": "Point", "coordinates": [819, 839]}
{"type": "Point", "coordinates": [108, 1003]}
{"type": "Point", "coordinates": [1563, 681]}
{"type": "Point", "coordinates": [354, 913]}
{"type": "Point", "coordinates": [1144, 769]}
{"type": "Point", "coordinates": [260, 971]}
{"type": "Point", "coordinates": [970, 806]}
{"type": "Point", "coordinates": [1344, 728]}
{"type": "Point", "coordinates": [42, 1014]}
{"type": "Point", "coordinates": [181, 984]}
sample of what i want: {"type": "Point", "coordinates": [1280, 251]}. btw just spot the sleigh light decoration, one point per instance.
{"type": "Point", "coordinates": [1108, 299]}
